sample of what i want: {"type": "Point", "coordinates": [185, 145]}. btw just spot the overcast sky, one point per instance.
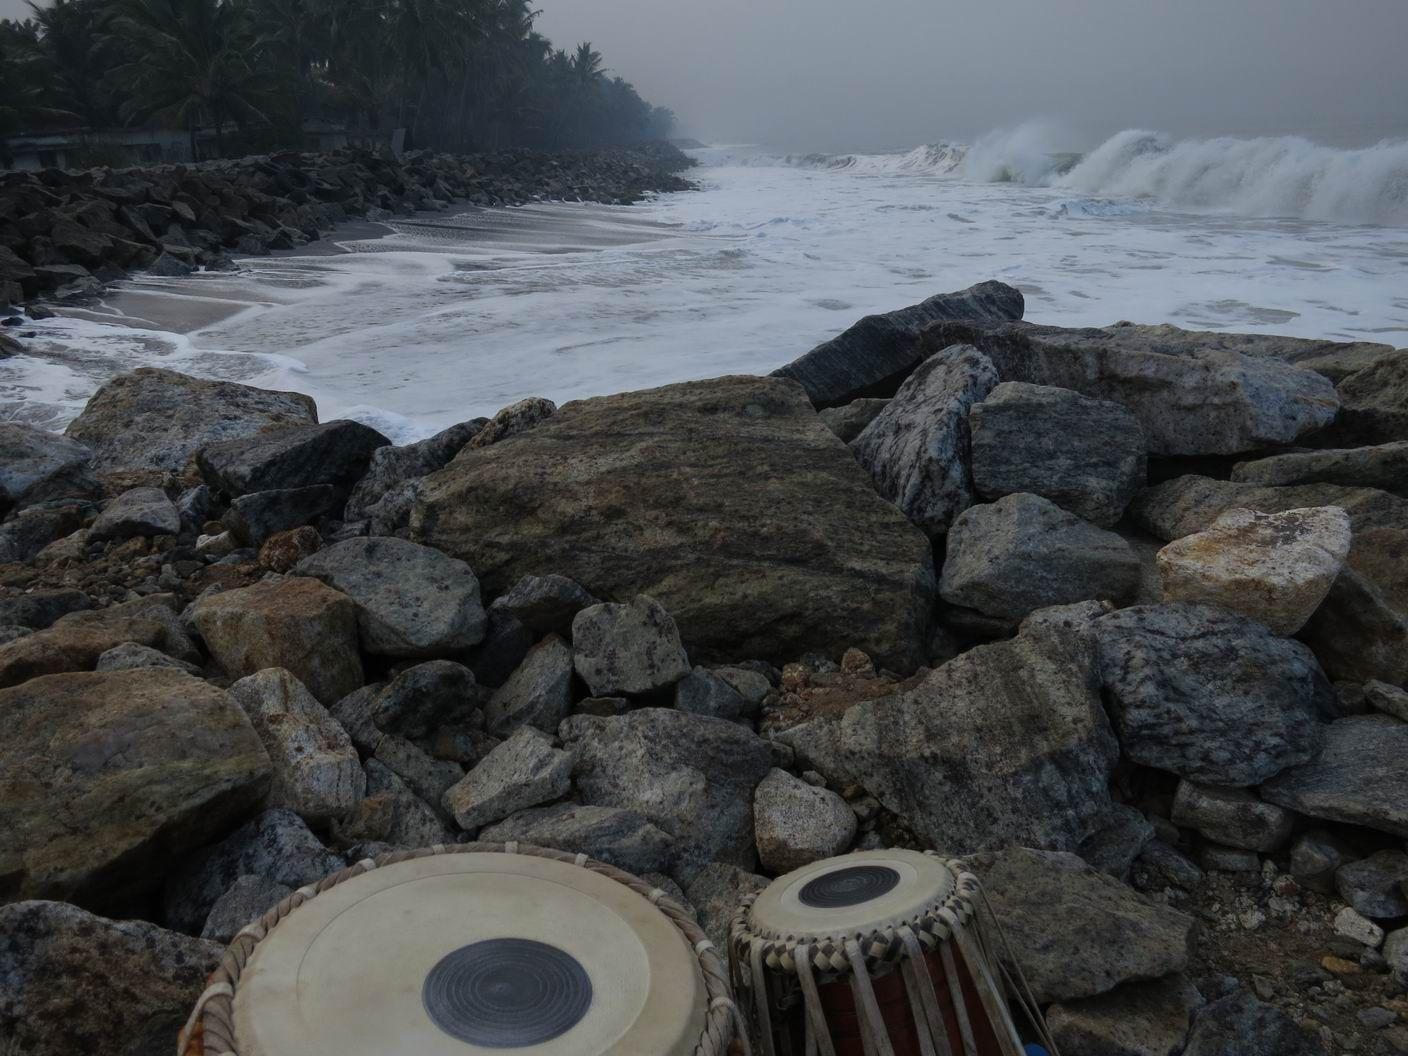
{"type": "Point", "coordinates": [876, 74]}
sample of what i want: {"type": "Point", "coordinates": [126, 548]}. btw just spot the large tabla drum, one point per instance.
{"type": "Point", "coordinates": [464, 950]}
{"type": "Point", "coordinates": [878, 953]}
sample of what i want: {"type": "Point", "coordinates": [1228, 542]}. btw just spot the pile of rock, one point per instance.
{"type": "Point", "coordinates": [698, 633]}
{"type": "Point", "coordinates": [65, 232]}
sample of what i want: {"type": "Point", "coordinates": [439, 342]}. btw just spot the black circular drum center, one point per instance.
{"type": "Point", "coordinates": [849, 887]}
{"type": "Point", "coordinates": [507, 993]}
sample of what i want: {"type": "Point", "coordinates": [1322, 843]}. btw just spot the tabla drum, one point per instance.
{"type": "Point", "coordinates": [470, 950]}
{"type": "Point", "coordinates": [877, 953]}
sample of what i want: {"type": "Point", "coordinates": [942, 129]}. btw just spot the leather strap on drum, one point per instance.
{"type": "Point", "coordinates": [210, 1029]}
{"type": "Point", "coordinates": [952, 927]}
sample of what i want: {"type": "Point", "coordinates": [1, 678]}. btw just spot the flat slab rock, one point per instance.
{"type": "Point", "coordinates": [37, 465]}
{"type": "Point", "coordinates": [1076, 932]}
{"type": "Point", "coordinates": [1136, 1019]}
{"type": "Point", "coordinates": [617, 837]}
{"type": "Point", "coordinates": [1383, 466]}
{"type": "Point", "coordinates": [1243, 1025]}
{"type": "Point", "coordinates": [725, 500]}
{"type": "Point", "coordinates": [153, 421]}
{"type": "Point", "coordinates": [1359, 778]}
{"type": "Point", "coordinates": [74, 982]}
{"type": "Point", "coordinates": [110, 778]}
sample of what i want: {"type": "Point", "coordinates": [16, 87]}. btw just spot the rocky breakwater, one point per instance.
{"type": "Point", "coordinates": [709, 633]}
{"type": "Point", "coordinates": [64, 233]}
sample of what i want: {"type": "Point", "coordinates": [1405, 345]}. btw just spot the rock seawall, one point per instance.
{"type": "Point", "coordinates": [66, 231]}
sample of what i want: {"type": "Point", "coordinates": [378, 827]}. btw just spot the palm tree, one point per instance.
{"type": "Point", "coordinates": [186, 61]}
{"type": "Point", "coordinates": [74, 59]}
{"type": "Point", "coordinates": [26, 96]}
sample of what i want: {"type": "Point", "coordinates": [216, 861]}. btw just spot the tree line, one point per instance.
{"type": "Point", "coordinates": [457, 75]}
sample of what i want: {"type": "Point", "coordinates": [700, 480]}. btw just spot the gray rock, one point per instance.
{"type": "Point", "coordinates": [39, 609]}
{"type": "Point", "coordinates": [394, 466]}
{"type": "Point", "coordinates": [505, 645]}
{"type": "Point", "coordinates": [1022, 553]}
{"type": "Point", "coordinates": [31, 531]}
{"type": "Point", "coordinates": [110, 778]}
{"type": "Point", "coordinates": [1208, 695]}
{"type": "Point", "coordinates": [630, 649]}
{"type": "Point", "coordinates": [253, 518]}
{"type": "Point", "coordinates": [752, 686]}
{"type": "Point", "coordinates": [277, 845]}
{"type": "Point", "coordinates": [196, 505]}
{"type": "Point", "coordinates": [36, 465]}
{"type": "Point", "coordinates": [411, 600]}
{"type": "Point", "coordinates": [247, 899]}
{"type": "Point", "coordinates": [1375, 402]}
{"type": "Point", "coordinates": [1113, 847]}
{"type": "Point", "coordinates": [715, 892]}
{"type": "Point", "coordinates": [1087, 456]}
{"type": "Point", "coordinates": [765, 538]}
{"type": "Point", "coordinates": [704, 693]}
{"type": "Point", "coordinates": [1375, 886]}
{"type": "Point", "coordinates": [1232, 816]}
{"type": "Point", "coordinates": [354, 713]}
{"type": "Point", "coordinates": [1244, 1026]}
{"type": "Point", "coordinates": [1006, 744]}
{"type": "Point", "coordinates": [426, 697]}
{"type": "Point", "coordinates": [1189, 504]}
{"type": "Point", "coordinates": [295, 456]}
{"type": "Point", "coordinates": [1168, 865]}
{"type": "Point", "coordinates": [428, 778]}
{"type": "Point", "coordinates": [1315, 858]}
{"type": "Point", "coordinates": [546, 604]}
{"type": "Point", "coordinates": [1273, 567]}
{"type": "Point", "coordinates": [538, 693]}
{"type": "Point", "coordinates": [1216, 858]}
{"type": "Point", "coordinates": [1396, 954]}
{"type": "Point", "coordinates": [1388, 699]}
{"type": "Point", "coordinates": [1357, 928]}
{"type": "Point", "coordinates": [524, 771]}
{"type": "Point", "coordinates": [692, 777]}
{"type": "Point", "coordinates": [296, 623]}
{"type": "Point", "coordinates": [155, 420]}
{"type": "Point", "coordinates": [916, 449]}
{"type": "Point", "coordinates": [1083, 933]}
{"type": "Point", "coordinates": [512, 420]}
{"type": "Point", "coordinates": [797, 824]}
{"type": "Point", "coordinates": [1193, 393]}
{"type": "Point", "coordinates": [317, 774]}
{"type": "Point", "coordinates": [140, 511]}
{"type": "Point", "coordinates": [1357, 635]}
{"type": "Point", "coordinates": [1137, 1019]}
{"type": "Point", "coordinates": [617, 837]}
{"type": "Point", "coordinates": [393, 814]}
{"type": "Point", "coordinates": [1357, 779]}
{"type": "Point", "coordinates": [130, 655]}
{"type": "Point", "coordinates": [74, 982]}
{"type": "Point", "coordinates": [1383, 466]}
{"type": "Point", "coordinates": [850, 420]}
{"type": "Point", "coordinates": [875, 355]}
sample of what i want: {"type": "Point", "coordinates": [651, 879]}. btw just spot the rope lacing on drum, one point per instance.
{"type": "Point", "coordinates": [951, 927]}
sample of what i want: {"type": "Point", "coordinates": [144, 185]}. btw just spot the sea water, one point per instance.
{"type": "Point", "coordinates": [454, 315]}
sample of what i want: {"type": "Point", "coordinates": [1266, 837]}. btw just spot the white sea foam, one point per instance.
{"type": "Point", "coordinates": [458, 316]}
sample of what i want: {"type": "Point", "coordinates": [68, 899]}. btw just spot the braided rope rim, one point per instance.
{"type": "Point", "coordinates": [210, 1030]}
{"type": "Point", "coordinates": [933, 925]}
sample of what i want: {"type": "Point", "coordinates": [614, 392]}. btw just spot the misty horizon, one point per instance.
{"type": "Point", "coordinates": [833, 77]}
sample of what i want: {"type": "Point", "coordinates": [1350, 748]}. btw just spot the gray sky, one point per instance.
{"type": "Point", "coordinates": [877, 74]}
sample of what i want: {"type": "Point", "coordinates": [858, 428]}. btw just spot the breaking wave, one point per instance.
{"type": "Point", "coordinates": [1269, 176]}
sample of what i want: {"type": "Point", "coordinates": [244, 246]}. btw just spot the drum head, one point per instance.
{"type": "Point", "coordinates": [458, 954]}
{"type": "Point", "coordinates": [854, 894]}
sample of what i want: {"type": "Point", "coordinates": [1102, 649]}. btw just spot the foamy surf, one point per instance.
{"type": "Point", "coordinates": [444, 320]}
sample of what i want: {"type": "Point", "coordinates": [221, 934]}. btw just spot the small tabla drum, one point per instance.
{"type": "Point", "coordinates": [878, 953]}
{"type": "Point", "coordinates": [470, 950]}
